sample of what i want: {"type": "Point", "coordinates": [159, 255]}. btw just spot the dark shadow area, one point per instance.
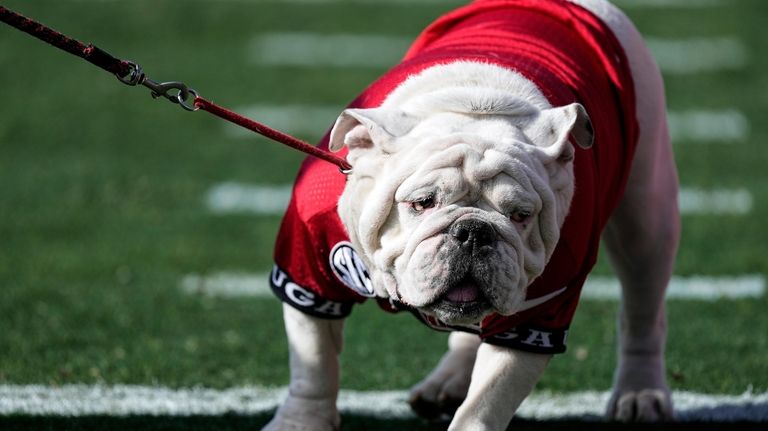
{"type": "Point", "coordinates": [350, 423]}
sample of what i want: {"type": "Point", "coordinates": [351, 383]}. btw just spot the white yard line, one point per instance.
{"type": "Point", "coordinates": [694, 201]}
{"type": "Point", "coordinates": [83, 400]}
{"type": "Point", "coordinates": [334, 50]}
{"type": "Point", "coordinates": [227, 284]}
{"type": "Point", "coordinates": [233, 197]}
{"type": "Point", "coordinates": [702, 288]}
{"type": "Point", "coordinates": [694, 287]}
{"type": "Point", "coordinates": [708, 126]}
{"type": "Point", "coordinates": [690, 56]}
{"type": "Point", "coordinates": [687, 4]}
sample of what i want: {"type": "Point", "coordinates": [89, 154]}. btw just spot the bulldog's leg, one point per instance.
{"type": "Point", "coordinates": [502, 378]}
{"type": "Point", "coordinates": [444, 389]}
{"type": "Point", "coordinates": [314, 348]}
{"type": "Point", "coordinates": [642, 238]}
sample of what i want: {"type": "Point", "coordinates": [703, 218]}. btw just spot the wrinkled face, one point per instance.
{"type": "Point", "coordinates": [458, 215]}
{"type": "Point", "coordinates": [464, 236]}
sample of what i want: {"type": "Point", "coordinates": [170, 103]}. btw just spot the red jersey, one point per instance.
{"type": "Point", "coordinates": [571, 56]}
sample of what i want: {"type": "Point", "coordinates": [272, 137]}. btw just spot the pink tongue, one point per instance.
{"type": "Point", "coordinates": [464, 292]}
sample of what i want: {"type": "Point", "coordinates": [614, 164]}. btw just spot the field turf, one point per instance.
{"type": "Point", "coordinates": [102, 208]}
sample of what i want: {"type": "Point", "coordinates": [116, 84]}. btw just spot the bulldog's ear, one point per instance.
{"type": "Point", "coordinates": [369, 128]}
{"type": "Point", "coordinates": [555, 128]}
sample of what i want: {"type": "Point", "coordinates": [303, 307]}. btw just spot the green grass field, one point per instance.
{"type": "Point", "coordinates": [102, 206]}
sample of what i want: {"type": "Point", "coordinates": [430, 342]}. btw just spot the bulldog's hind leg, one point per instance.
{"type": "Point", "coordinates": [642, 237]}
{"type": "Point", "coordinates": [445, 388]}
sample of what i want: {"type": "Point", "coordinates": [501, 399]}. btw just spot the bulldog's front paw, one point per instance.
{"type": "Point", "coordinates": [445, 388]}
{"type": "Point", "coordinates": [640, 392]}
{"type": "Point", "coordinates": [432, 399]}
{"type": "Point", "coordinates": [304, 414]}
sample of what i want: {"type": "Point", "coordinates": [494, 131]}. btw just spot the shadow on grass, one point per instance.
{"type": "Point", "coordinates": [350, 423]}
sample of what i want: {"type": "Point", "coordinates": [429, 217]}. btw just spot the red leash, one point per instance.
{"type": "Point", "coordinates": [132, 74]}
{"type": "Point", "coordinates": [273, 134]}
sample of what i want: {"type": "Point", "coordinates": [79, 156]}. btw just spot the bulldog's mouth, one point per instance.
{"type": "Point", "coordinates": [464, 292]}
{"type": "Point", "coordinates": [462, 303]}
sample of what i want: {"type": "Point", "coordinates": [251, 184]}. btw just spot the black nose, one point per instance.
{"type": "Point", "coordinates": [475, 232]}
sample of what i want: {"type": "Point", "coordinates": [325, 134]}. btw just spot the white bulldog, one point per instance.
{"type": "Point", "coordinates": [462, 180]}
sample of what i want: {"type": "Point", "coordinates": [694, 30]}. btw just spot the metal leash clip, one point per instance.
{"type": "Point", "coordinates": [136, 76]}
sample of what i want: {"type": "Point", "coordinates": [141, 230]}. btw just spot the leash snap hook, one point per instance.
{"type": "Point", "coordinates": [136, 76]}
{"type": "Point", "coordinates": [166, 89]}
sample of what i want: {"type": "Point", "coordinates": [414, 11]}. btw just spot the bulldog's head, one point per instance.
{"type": "Point", "coordinates": [456, 199]}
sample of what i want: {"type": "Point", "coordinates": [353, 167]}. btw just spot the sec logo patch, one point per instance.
{"type": "Point", "coordinates": [350, 269]}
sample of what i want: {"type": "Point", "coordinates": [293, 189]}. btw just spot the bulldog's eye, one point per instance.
{"type": "Point", "coordinates": [423, 204]}
{"type": "Point", "coordinates": [520, 215]}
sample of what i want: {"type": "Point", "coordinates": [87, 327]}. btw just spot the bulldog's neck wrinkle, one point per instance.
{"type": "Point", "coordinates": [477, 100]}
